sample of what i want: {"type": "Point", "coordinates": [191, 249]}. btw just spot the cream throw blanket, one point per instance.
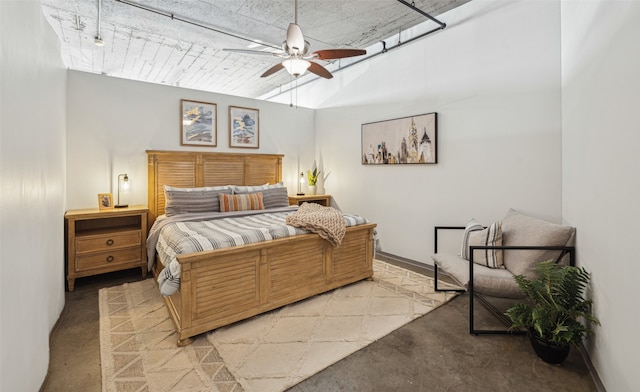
{"type": "Point", "coordinates": [327, 222]}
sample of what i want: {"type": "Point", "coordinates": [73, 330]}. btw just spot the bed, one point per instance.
{"type": "Point", "coordinates": [219, 287]}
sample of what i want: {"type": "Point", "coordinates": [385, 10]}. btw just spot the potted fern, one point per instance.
{"type": "Point", "coordinates": [556, 306]}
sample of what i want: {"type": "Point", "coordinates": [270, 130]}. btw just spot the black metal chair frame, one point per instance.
{"type": "Point", "coordinates": [570, 250]}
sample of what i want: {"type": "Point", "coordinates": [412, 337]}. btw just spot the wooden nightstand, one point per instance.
{"type": "Point", "coordinates": [99, 241]}
{"type": "Point", "coordinates": [324, 200]}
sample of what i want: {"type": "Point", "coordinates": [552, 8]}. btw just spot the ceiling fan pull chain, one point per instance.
{"type": "Point", "coordinates": [291, 94]}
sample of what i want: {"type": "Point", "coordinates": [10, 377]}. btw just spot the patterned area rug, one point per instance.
{"type": "Point", "coordinates": [269, 352]}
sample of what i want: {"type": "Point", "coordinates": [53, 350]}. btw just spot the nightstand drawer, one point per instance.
{"type": "Point", "coordinates": [100, 260]}
{"type": "Point", "coordinates": [106, 242]}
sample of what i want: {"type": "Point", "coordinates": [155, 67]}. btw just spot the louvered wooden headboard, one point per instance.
{"type": "Point", "coordinates": [186, 169]}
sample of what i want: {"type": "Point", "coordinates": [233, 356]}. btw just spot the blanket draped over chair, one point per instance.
{"type": "Point", "coordinates": [327, 222]}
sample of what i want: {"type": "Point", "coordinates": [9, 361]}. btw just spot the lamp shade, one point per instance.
{"type": "Point", "coordinates": [296, 67]}
{"type": "Point", "coordinates": [123, 184]}
{"type": "Point", "coordinates": [300, 193]}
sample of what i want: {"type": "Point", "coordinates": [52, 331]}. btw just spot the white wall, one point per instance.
{"type": "Point", "coordinates": [32, 126]}
{"type": "Point", "coordinates": [493, 77]}
{"type": "Point", "coordinates": [111, 122]}
{"type": "Point", "coordinates": [601, 186]}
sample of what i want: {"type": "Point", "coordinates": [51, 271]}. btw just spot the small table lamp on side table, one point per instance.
{"type": "Point", "coordinates": [122, 184]}
{"type": "Point", "coordinates": [300, 193]}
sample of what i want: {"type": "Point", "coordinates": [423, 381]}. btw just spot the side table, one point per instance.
{"type": "Point", "coordinates": [324, 200]}
{"type": "Point", "coordinates": [99, 241]}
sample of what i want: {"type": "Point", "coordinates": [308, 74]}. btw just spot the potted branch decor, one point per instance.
{"type": "Point", "coordinates": [555, 309]}
{"type": "Point", "coordinates": [312, 177]}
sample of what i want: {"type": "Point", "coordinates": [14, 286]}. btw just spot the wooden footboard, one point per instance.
{"type": "Point", "coordinates": [223, 286]}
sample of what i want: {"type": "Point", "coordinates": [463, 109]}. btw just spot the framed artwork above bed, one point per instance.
{"type": "Point", "coordinates": [244, 127]}
{"type": "Point", "coordinates": [198, 123]}
{"type": "Point", "coordinates": [407, 140]}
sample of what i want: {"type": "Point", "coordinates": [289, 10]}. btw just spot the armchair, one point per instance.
{"type": "Point", "coordinates": [490, 257]}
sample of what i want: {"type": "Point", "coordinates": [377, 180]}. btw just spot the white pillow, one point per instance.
{"type": "Point", "coordinates": [255, 188]}
{"type": "Point", "coordinates": [476, 235]}
{"type": "Point", "coordinates": [473, 225]}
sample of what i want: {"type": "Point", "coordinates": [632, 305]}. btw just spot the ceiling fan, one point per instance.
{"type": "Point", "coordinates": [295, 52]}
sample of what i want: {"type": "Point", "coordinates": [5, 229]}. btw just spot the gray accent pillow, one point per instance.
{"type": "Point", "coordinates": [273, 197]}
{"type": "Point", "coordinates": [519, 229]}
{"type": "Point", "coordinates": [185, 200]}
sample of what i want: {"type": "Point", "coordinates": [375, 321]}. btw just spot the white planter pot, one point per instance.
{"type": "Point", "coordinates": [312, 189]}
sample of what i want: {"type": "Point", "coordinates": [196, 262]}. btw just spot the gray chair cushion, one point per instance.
{"type": "Point", "coordinates": [519, 229]}
{"type": "Point", "coordinates": [489, 281]}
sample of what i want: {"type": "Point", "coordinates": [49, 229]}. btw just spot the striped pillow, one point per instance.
{"type": "Point", "coordinates": [243, 202]}
{"type": "Point", "coordinates": [188, 200]}
{"type": "Point", "coordinates": [273, 197]}
{"type": "Point", "coordinates": [491, 236]}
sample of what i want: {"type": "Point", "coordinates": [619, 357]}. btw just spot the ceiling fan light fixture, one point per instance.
{"type": "Point", "coordinates": [296, 67]}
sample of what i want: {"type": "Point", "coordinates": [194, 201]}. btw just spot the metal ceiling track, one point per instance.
{"type": "Point", "coordinates": [191, 22]}
{"type": "Point", "coordinates": [421, 12]}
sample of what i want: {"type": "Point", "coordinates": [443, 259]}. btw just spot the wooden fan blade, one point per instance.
{"type": "Point", "coordinates": [272, 70]}
{"type": "Point", "coordinates": [295, 39]}
{"type": "Point", "coordinates": [331, 54]}
{"type": "Point", "coordinates": [319, 70]}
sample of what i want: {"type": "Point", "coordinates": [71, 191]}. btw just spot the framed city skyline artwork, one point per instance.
{"type": "Point", "coordinates": [406, 140]}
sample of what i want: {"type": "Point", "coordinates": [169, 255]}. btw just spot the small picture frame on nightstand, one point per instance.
{"type": "Point", "coordinates": [105, 201]}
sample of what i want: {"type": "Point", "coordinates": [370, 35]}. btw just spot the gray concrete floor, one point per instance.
{"type": "Point", "coordinates": [74, 357]}
{"type": "Point", "coordinates": [432, 353]}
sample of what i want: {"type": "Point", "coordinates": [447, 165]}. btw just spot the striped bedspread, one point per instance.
{"type": "Point", "coordinates": [186, 237]}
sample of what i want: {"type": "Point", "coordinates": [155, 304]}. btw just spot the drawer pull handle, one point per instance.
{"type": "Point", "coordinates": [110, 259]}
{"type": "Point", "coordinates": [109, 242]}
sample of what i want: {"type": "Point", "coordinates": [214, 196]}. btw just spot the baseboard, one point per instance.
{"type": "Point", "coordinates": [409, 264]}
{"type": "Point", "coordinates": [592, 370]}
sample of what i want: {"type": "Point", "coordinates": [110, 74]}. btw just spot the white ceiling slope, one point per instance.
{"type": "Point", "coordinates": [186, 50]}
